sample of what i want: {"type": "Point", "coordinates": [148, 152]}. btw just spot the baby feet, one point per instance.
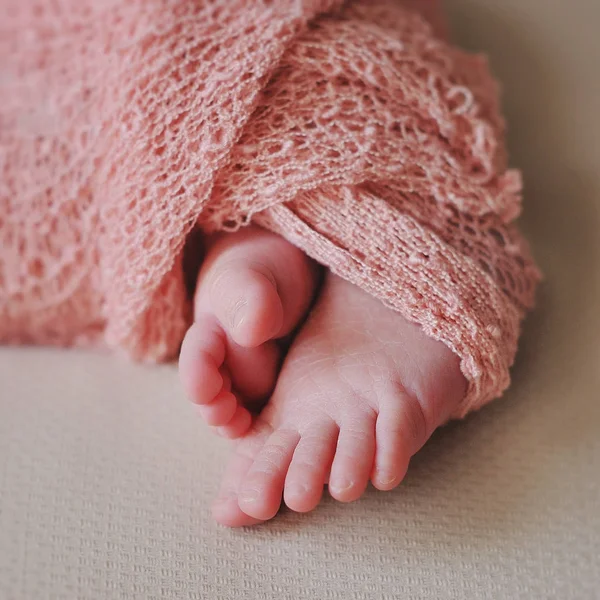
{"type": "Point", "coordinates": [361, 390]}
{"type": "Point", "coordinates": [253, 288]}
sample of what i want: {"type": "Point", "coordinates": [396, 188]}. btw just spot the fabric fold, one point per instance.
{"type": "Point", "coordinates": [349, 128]}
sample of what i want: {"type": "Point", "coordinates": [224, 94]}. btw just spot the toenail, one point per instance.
{"type": "Point", "coordinates": [384, 478]}
{"type": "Point", "coordinates": [343, 486]}
{"type": "Point", "coordinates": [239, 315]}
{"type": "Point", "coordinates": [296, 490]}
{"type": "Point", "coordinates": [249, 496]}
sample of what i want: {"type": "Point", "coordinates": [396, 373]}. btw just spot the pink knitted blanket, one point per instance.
{"type": "Point", "coordinates": [347, 127]}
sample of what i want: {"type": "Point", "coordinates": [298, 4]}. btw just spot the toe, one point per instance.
{"type": "Point", "coordinates": [226, 511]}
{"type": "Point", "coordinates": [253, 287]}
{"type": "Point", "coordinates": [238, 426]}
{"type": "Point", "coordinates": [354, 457]}
{"type": "Point", "coordinates": [225, 508]}
{"type": "Point", "coordinates": [245, 300]}
{"type": "Point", "coordinates": [202, 355]}
{"type": "Point", "coordinates": [257, 284]}
{"type": "Point", "coordinates": [260, 494]}
{"type": "Point", "coordinates": [393, 452]}
{"type": "Point", "coordinates": [207, 382]}
{"type": "Point", "coordinates": [310, 466]}
{"type": "Point", "coordinates": [220, 411]}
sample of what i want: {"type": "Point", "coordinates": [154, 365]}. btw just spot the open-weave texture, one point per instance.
{"type": "Point", "coordinates": [350, 128]}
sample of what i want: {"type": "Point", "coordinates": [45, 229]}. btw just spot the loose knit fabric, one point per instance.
{"type": "Point", "coordinates": [349, 128]}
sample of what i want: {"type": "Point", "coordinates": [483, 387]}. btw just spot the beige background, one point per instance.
{"type": "Point", "coordinates": [106, 476]}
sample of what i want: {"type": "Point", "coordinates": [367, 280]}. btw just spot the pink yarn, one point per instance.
{"type": "Point", "coordinates": [348, 128]}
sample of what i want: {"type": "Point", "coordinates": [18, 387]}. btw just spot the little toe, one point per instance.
{"type": "Point", "coordinates": [238, 426]}
{"type": "Point", "coordinates": [261, 492]}
{"type": "Point", "coordinates": [310, 466]}
{"type": "Point", "coordinates": [226, 509]}
{"type": "Point", "coordinates": [221, 410]}
{"type": "Point", "coordinates": [354, 455]}
{"type": "Point", "coordinates": [202, 355]}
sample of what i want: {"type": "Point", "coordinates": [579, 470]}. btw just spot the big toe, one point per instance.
{"type": "Point", "coordinates": [257, 284]}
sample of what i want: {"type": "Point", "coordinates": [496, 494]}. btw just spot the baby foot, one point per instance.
{"type": "Point", "coordinates": [361, 390]}
{"type": "Point", "coordinates": [253, 288]}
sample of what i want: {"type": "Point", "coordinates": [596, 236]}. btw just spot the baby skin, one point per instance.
{"type": "Point", "coordinates": [359, 391]}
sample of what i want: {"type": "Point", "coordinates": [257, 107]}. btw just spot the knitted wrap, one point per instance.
{"type": "Point", "coordinates": [350, 128]}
